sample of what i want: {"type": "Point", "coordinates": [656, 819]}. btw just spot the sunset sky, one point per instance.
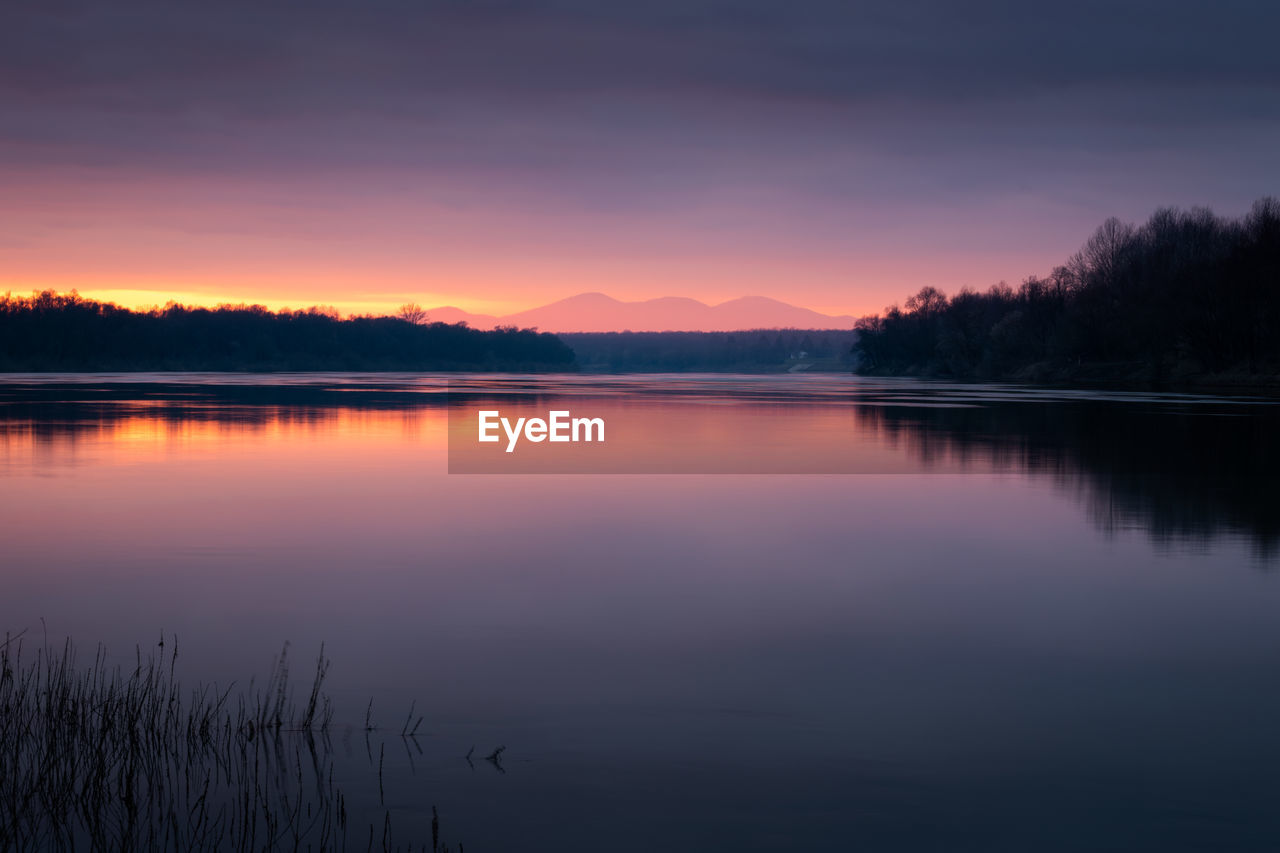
{"type": "Point", "coordinates": [499, 155]}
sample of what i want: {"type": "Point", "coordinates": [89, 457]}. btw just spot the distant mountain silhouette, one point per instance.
{"type": "Point", "coordinates": [596, 312]}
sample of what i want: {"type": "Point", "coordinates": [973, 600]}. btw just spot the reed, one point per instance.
{"type": "Point", "coordinates": [105, 757]}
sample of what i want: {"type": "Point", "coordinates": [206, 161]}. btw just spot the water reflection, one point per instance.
{"type": "Point", "coordinates": [1185, 469]}
{"type": "Point", "coordinates": [1183, 473]}
{"type": "Point", "coordinates": [904, 661]}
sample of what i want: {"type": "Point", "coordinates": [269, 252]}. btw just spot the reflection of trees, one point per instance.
{"type": "Point", "coordinates": [1183, 474]}
{"type": "Point", "coordinates": [46, 415]}
{"type": "Point", "coordinates": [68, 423]}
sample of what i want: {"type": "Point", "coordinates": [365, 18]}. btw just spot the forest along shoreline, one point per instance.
{"type": "Point", "coordinates": [1189, 299]}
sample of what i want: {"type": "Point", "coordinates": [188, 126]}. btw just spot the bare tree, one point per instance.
{"type": "Point", "coordinates": [1104, 251]}
{"type": "Point", "coordinates": [928, 302]}
{"type": "Point", "coordinates": [412, 312]}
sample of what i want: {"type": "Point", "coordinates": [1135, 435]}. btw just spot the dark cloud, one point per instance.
{"type": "Point", "coordinates": [829, 98]}
{"type": "Point", "coordinates": [331, 55]}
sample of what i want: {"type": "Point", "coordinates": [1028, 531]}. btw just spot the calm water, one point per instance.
{"type": "Point", "coordinates": [1035, 621]}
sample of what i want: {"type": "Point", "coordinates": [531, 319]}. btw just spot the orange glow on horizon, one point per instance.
{"type": "Point", "coordinates": [368, 244]}
{"type": "Point", "coordinates": [144, 299]}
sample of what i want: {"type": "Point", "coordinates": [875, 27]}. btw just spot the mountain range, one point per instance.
{"type": "Point", "coordinates": [596, 312]}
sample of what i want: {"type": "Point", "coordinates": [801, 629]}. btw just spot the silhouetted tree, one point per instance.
{"type": "Point", "coordinates": [412, 312]}
{"type": "Point", "coordinates": [1187, 294]}
{"type": "Point", "coordinates": [53, 331]}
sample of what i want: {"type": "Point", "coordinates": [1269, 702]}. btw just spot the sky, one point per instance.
{"type": "Point", "coordinates": [500, 155]}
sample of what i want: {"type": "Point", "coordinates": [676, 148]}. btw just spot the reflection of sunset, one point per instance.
{"type": "Point", "coordinates": [378, 448]}
{"type": "Point", "coordinates": [681, 436]}
{"type": "Point", "coordinates": [649, 436]}
{"type": "Point", "coordinates": [139, 433]}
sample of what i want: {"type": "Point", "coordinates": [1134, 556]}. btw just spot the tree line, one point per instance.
{"type": "Point", "coordinates": [64, 331]}
{"type": "Point", "coordinates": [1188, 294]}
{"type": "Point", "coordinates": [751, 351]}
